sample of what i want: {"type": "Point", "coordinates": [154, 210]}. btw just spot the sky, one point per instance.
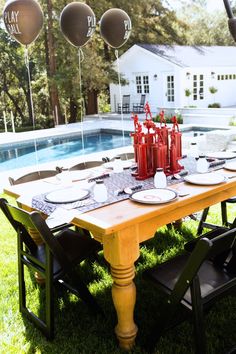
{"type": "Point", "coordinates": [212, 5]}
{"type": "Point", "coordinates": [215, 5]}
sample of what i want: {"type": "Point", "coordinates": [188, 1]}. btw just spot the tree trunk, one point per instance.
{"type": "Point", "coordinates": [106, 52]}
{"type": "Point", "coordinates": [51, 68]}
{"type": "Point", "coordinates": [92, 102]}
{"type": "Point", "coordinates": [73, 110]}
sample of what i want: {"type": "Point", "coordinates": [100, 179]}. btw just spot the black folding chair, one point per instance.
{"type": "Point", "coordinates": [124, 107]}
{"type": "Point", "coordinates": [54, 259]}
{"type": "Point", "coordinates": [33, 176]}
{"type": "Point", "coordinates": [139, 107]}
{"type": "Point", "coordinates": [123, 156]}
{"type": "Point", "coordinates": [195, 280]}
{"type": "Point", "coordinates": [224, 217]}
{"type": "Point", "coordinates": [85, 165]}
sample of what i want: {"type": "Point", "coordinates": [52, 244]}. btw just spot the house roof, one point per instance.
{"type": "Point", "coordinates": [186, 56]}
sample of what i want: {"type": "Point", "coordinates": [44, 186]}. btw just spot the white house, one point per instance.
{"type": "Point", "coordinates": [164, 73]}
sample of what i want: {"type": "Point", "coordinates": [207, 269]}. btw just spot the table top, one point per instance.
{"type": "Point", "coordinates": [124, 214]}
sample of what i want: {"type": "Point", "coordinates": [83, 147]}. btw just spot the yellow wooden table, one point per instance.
{"type": "Point", "coordinates": [122, 226]}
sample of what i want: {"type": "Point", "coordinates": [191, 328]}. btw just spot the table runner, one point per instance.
{"type": "Point", "coordinates": [115, 184]}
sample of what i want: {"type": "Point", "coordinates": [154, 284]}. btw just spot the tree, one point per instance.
{"type": "Point", "coordinates": [55, 66]}
{"type": "Point", "coordinates": [13, 79]}
{"type": "Point", "coordinates": [204, 28]}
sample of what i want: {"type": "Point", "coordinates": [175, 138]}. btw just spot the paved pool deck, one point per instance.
{"type": "Point", "coordinates": [90, 123]}
{"type": "Point", "coordinates": [108, 122]}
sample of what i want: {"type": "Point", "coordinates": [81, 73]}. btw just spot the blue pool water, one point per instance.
{"type": "Point", "coordinates": [23, 154]}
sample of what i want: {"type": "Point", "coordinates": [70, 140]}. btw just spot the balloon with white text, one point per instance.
{"type": "Point", "coordinates": [78, 23]}
{"type": "Point", "coordinates": [115, 27]}
{"type": "Point", "coordinates": [23, 20]}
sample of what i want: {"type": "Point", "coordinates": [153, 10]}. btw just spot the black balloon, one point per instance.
{"type": "Point", "coordinates": [78, 23]}
{"type": "Point", "coordinates": [23, 20]}
{"type": "Point", "coordinates": [115, 27]}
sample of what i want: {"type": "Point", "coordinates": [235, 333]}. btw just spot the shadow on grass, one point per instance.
{"type": "Point", "coordinates": [78, 331]}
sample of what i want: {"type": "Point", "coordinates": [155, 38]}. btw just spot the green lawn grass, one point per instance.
{"type": "Point", "coordinates": [77, 331]}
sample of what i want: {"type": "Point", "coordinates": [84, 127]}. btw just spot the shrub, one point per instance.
{"type": "Point", "coordinates": [168, 118]}
{"type": "Point", "coordinates": [187, 92]}
{"type": "Point", "coordinates": [213, 90]}
{"type": "Point", "coordinates": [214, 105]}
{"type": "Point", "coordinates": [232, 122]}
{"type": "Point", "coordinates": [103, 104]}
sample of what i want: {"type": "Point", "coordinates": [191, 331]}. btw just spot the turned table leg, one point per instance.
{"type": "Point", "coordinates": [121, 250]}
{"type": "Point", "coordinates": [124, 297]}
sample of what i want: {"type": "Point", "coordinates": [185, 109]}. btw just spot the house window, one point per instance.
{"type": "Point", "coordinates": [142, 84]}
{"type": "Point", "coordinates": [201, 88]}
{"type": "Point", "coordinates": [139, 84]}
{"type": "Point", "coordinates": [194, 87]}
{"type": "Point", "coordinates": [198, 87]}
{"type": "Point", "coordinates": [226, 77]}
{"type": "Point", "coordinates": [145, 84]}
{"type": "Point", "coordinates": [170, 88]}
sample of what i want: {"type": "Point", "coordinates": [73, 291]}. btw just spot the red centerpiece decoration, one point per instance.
{"type": "Point", "coordinates": [156, 146]}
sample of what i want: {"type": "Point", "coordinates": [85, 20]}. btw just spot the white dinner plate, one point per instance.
{"type": "Point", "coordinates": [221, 155]}
{"type": "Point", "coordinates": [124, 164]}
{"type": "Point", "coordinates": [154, 196]}
{"type": "Point", "coordinates": [77, 175]}
{"type": "Point", "coordinates": [230, 166]}
{"type": "Point", "coordinates": [205, 179]}
{"type": "Point", "coordinates": [66, 195]}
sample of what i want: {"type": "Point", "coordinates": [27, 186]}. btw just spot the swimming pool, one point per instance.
{"type": "Point", "coordinates": [198, 131]}
{"type": "Point", "coordinates": [22, 154]}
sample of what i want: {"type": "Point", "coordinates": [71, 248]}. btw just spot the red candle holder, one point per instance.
{"type": "Point", "coordinates": [151, 146]}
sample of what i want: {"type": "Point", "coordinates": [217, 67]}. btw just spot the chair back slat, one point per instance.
{"type": "Point", "coordinates": [204, 249]}
{"type": "Point", "coordinates": [190, 270]}
{"type": "Point", "coordinates": [85, 165]}
{"type": "Point", "coordinates": [222, 247]}
{"type": "Point", "coordinates": [142, 100]}
{"type": "Point", "coordinates": [20, 216]}
{"type": "Point", "coordinates": [34, 221]}
{"type": "Point", "coordinates": [126, 99]}
{"type": "Point", "coordinates": [124, 156]}
{"type": "Point", "coordinates": [26, 238]}
{"type": "Point", "coordinates": [33, 176]}
{"type": "Point", "coordinates": [51, 241]}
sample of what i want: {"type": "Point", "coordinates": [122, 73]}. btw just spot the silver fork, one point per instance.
{"type": "Point", "coordinates": [181, 195]}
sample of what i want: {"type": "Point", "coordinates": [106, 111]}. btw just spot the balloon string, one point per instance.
{"type": "Point", "coordinates": [120, 93]}
{"type": "Point", "coordinates": [81, 58]}
{"type": "Point", "coordinates": [31, 102]}
{"type": "Point", "coordinates": [29, 81]}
